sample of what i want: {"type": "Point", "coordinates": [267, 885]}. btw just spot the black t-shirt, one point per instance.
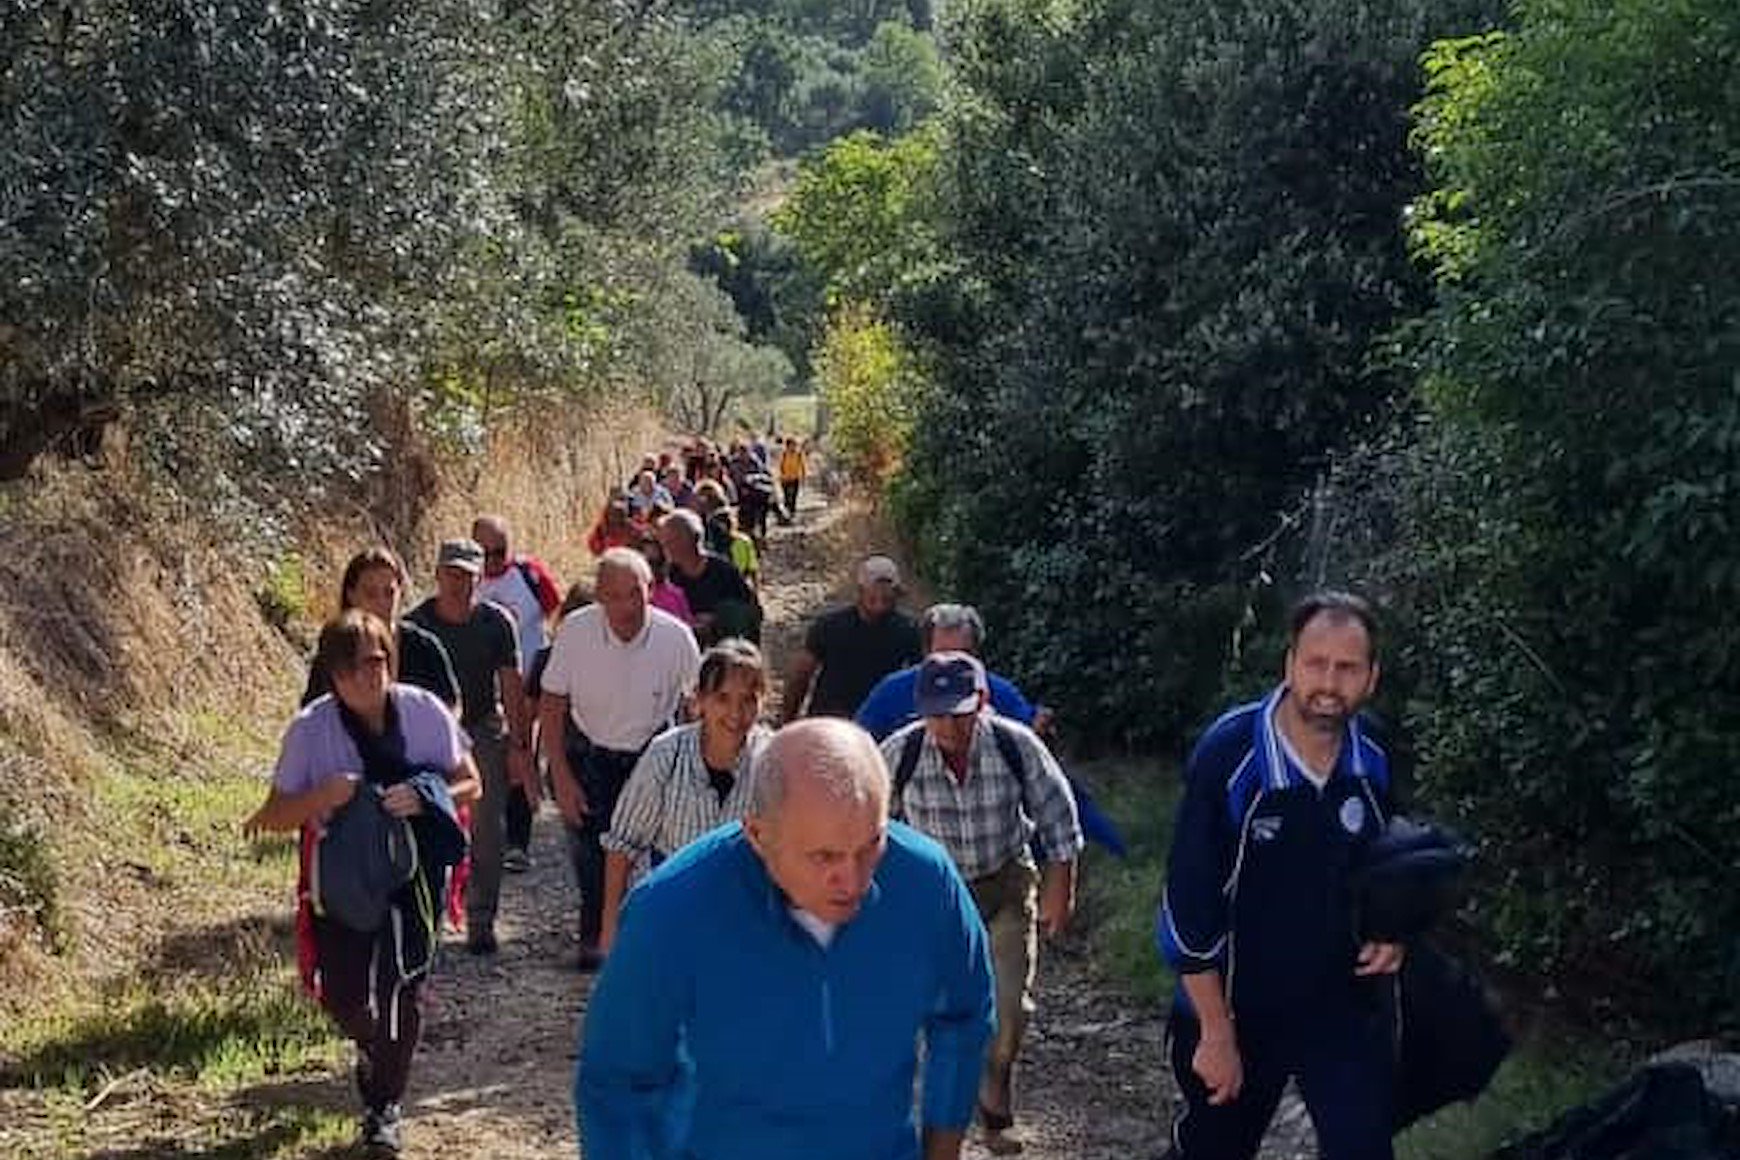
{"type": "Point", "coordinates": [854, 654]}
{"type": "Point", "coordinates": [422, 662]}
{"type": "Point", "coordinates": [722, 591]}
{"type": "Point", "coordinates": [480, 648]}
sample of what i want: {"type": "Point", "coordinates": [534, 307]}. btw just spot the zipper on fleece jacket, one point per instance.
{"type": "Point", "coordinates": [827, 1016]}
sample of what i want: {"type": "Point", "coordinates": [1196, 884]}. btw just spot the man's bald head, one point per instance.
{"type": "Point", "coordinates": [824, 756]}
{"type": "Point", "coordinates": [818, 817]}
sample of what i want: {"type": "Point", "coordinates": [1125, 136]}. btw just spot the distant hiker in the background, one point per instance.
{"type": "Point", "coordinates": [646, 494]}
{"type": "Point", "coordinates": [663, 594]}
{"type": "Point", "coordinates": [481, 640]}
{"type": "Point", "coordinates": [1282, 797]}
{"type": "Point", "coordinates": [374, 581]}
{"type": "Point", "coordinates": [793, 466]}
{"type": "Point", "coordinates": [847, 650]}
{"type": "Point", "coordinates": [740, 548]}
{"type": "Point", "coordinates": [376, 765]}
{"type": "Point", "coordinates": [983, 787]}
{"type": "Point", "coordinates": [691, 778]}
{"type": "Point", "coordinates": [771, 983]}
{"type": "Point", "coordinates": [523, 585]}
{"type": "Point", "coordinates": [723, 603]}
{"type": "Point", "coordinates": [615, 527]}
{"type": "Point", "coordinates": [618, 676]}
{"type": "Point", "coordinates": [682, 491]}
{"type": "Point", "coordinates": [648, 462]}
{"type": "Point", "coordinates": [755, 493]}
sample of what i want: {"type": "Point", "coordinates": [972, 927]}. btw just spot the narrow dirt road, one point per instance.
{"type": "Point", "coordinates": [495, 1076]}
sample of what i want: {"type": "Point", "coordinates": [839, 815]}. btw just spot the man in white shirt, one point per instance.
{"type": "Point", "coordinates": [523, 585]}
{"type": "Point", "coordinates": [619, 673]}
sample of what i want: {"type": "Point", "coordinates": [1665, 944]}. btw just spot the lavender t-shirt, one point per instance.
{"type": "Point", "coordinates": [317, 749]}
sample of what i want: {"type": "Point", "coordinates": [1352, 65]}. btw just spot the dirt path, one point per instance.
{"type": "Point", "coordinates": [493, 1079]}
{"type": "Point", "coordinates": [495, 1075]}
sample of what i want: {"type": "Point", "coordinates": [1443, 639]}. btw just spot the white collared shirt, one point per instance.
{"type": "Point", "coordinates": [622, 693]}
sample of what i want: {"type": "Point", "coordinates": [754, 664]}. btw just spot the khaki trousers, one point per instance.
{"type": "Point", "coordinates": [1008, 902]}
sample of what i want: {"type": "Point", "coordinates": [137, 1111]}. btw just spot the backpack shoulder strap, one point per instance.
{"type": "Point", "coordinates": [1010, 750]}
{"type": "Point", "coordinates": [904, 769]}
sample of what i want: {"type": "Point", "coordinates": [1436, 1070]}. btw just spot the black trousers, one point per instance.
{"type": "Point", "coordinates": [519, 820]}
{"type": "Point", "coordinates": [357, 990]}
{"type": "Point", "coordinates": [602, 774]}
{"type": "Point", "coordinates": [790, 489]}
{"type": "Point", "coordinates": [1345, 1066]}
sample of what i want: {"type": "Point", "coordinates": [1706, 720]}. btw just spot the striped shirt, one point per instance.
{"type": "Point", "coordinates": [669, 801]}
{"type": "Point", "coordinates": [985, 820]}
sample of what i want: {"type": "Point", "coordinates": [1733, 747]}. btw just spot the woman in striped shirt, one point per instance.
{"type": "Point", "coordinates": [691, 778]}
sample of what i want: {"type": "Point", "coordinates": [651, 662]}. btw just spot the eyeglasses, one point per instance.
{"type": "Point", "coordinates": [495, 553]}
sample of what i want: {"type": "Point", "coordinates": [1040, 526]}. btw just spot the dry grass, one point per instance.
{"type": "Point", "coordinates": [142, 690]}
{"type": "Point", "coordinates": [548, 477]}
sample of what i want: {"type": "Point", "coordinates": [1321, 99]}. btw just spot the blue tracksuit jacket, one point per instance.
{"type": "Point", "coordinates": [1257, 882]}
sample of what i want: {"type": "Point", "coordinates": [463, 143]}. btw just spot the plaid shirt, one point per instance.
{"type": "Point", "coordinates": [986, 820]}
{"type": "Point", "coordinates": [668, 801]}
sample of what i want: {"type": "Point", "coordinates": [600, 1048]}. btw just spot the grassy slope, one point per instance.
{"type": "Point", "coordinates": [1548, 1073]}
{"type": "Point", "coordinates": [197, 1045]}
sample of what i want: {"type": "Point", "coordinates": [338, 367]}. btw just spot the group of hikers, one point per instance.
{"type": "Point", "coordinates": [792, 923]}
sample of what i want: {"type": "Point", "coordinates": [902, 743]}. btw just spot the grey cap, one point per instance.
{"type": "Point", "coordinates": [466, 555]}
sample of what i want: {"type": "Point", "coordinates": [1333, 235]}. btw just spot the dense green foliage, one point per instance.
{"type": "Point", "coordinates": [240, 225]}
{"type": "Point", "coordinates": [1171, 238]}
{"type": "Point", "coordinates": [1220, 302]}
{"type": "Point", "coordinates": [807, 73]}
{"type": "Point", "coordinates": [1570, 578]}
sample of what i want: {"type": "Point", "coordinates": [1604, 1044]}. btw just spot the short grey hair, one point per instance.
{"type": "Point", "coordinates": [626, 560]}
{"type": "Point", "coordinates": [953, 616]}
{"type": "Point", "coordinates": [831, 751]}
{"type": "Point", "coordinates": [688, 520]}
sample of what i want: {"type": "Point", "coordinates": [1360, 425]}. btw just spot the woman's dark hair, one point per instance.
{"type": "Point", "coordinates": [1340, 608]}
{"type": "Point", "coordinates": [579, 596]}
{"type": "Point", "coordinates": [729, 656]}
{"type": "Point", "coordinates": [344, 637]}
{"type": "Point", "coordinates": [365, 561]}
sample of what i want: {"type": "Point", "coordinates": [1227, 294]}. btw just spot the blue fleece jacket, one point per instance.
{"type": "Point", "coordinates": [721, 1029]}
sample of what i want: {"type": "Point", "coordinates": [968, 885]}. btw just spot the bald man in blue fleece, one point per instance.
{"type": "Point", "coordinates": [769, 983]}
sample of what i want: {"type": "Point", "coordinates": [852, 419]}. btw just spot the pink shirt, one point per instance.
{"type": "Point", "coordinates": [667, 596]}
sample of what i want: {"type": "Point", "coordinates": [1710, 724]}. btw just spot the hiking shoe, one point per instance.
{"type": "Point", "coordinates": [383, 1131]}
{"type": "Point", "coordinates": [482, 942]}
{"type": "Point", "coordinates": [516, 860]}
{"type": "Point", "coordinates": [1002, 1142]}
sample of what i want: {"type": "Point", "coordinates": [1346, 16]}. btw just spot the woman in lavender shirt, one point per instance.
{"type": "Point", "coordinates": [368, 730]}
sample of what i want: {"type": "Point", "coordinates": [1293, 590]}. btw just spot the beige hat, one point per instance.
{"type": "Point", "coordinates": [878, 570]}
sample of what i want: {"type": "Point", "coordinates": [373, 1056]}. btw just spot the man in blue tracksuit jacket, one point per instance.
{"type": "Point", "coordinates": [769, 983]}
{"type": "Point", "coordinates": [1280, 796]}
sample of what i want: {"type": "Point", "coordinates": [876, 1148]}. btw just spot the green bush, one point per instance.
{"type": "Point", "coordinates": [1566, 557]}
{"type": "Point", "coordinates": [283, 596]}
{"type": "Point", "coordinates": [28, 884]}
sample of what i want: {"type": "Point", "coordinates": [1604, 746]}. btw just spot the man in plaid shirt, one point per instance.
{"type": "Point", "coordinates": [984, 787]}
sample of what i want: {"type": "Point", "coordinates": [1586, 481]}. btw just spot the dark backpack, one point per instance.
{"type": "Point", "coordinates": [1663, 1112]}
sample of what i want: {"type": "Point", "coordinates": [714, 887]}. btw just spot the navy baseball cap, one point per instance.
{"type": "Point", "coordinates": [949, 684]}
